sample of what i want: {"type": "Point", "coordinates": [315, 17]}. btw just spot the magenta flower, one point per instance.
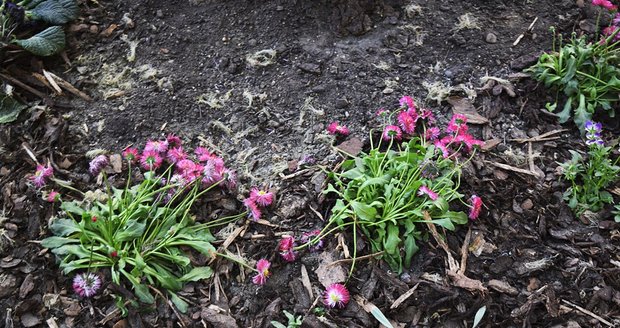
{"type": "Point", "coordinates": [97, 164]}
{"type": "Point", "coordinates": [392, 132]}
{"type": "Point", "coordinates": [432, 133]}
{"type": "Point", "coordinates": [252, 208]}
{"type": "Point", "coordinates": [476, 206]}
{"type": "Point", "coordinates": [287, 248]}
{"type": "Point", "coordinates": [443, 147]}
{"type": "Point", "coordinates": [230, 179]}
{"type": "Point", "coordinates": [176, 155]}
{"type": "Point", "coordinates": [130, 154]}
{"type": "Point", "coordinates": [605, 4]}
{"type": "Point", "coordinates": [150, 160]}
{"type": "Point", "coordinates": [336, 295]}
{"type": "Point", "coordinates": [53, 196]}
{"type": "Point", "coordinates": [203, 154]}
{"type": "Point", "coordinates": [381, 112]}
{"type": "Point", "coordinates": [335, 128]}
{"type": "Point", "coordinates": [458, 124]}
{"type": "Point", "coordinates": [407, 122]}
{"type": "Point", "coordinates": [424, 190]}
{"type": "Point", "coordinates": [468, 140]}
{"type": "Point", "coordinates": [186, 167]}
{"type": "Point", "coordinates": [39, 179]}
{"type": "Point", "coordinates": [261, 197]}
{"type": "Point", "coordinates": [211, 174]}
{"type": "Point", "coordinates": [427, 114]}
{"type": "Point", "coordinates": [308, 237]}
{"type": "Point", "coordinates": [407, 101]}
{"type": "Point", "coordinates": [173, 141]}
{"type": "Point", "coordinates": [262, 266]}
{"type": "Point", "coordinates": [158, 146]}
{"type": "Point", "coordinates": [86, 284]}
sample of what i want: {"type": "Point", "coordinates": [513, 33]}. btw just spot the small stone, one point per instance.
{"type": "Point", "coordinates": [388, 91]}
{"type": "Point", "coordinates": [341, 103]}
{"type": "Point", "coordinates": [491, 38]}
{"type": "Point", "coordinates": [252, 42]}
{"type": "Point", "coordinates": [159, 13]}
{"type": "Point", "coordinates": [310, 68]}
{"type": "Point", "coordinates": [527, 204]}
{"type": "Point", "coordinates": [279, 8]}
{"type": "Point", "coordinates": [94, 29]}
{"type": "Point", "coordinates": [29, 320]}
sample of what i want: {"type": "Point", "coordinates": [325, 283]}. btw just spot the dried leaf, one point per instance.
{"type": "Point", "coordinates": [465, 107]}
{"type": "Point", "coordinates": [327, 273]}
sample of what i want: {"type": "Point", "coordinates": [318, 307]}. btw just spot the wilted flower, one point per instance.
{"type": "Point", "coordinates": [130, 154]}
{"type": "Point", "coordinates": [427, 114]}
{"type": "Point", "coordinates": [53, 196]}
{"type": "Point", "coordinates": [407, 122]}
{"type": "Point", "coordinates": [159, 146]}
{"type": "Point", "coordinates": [203, 154]}
{"type": "Point", "coordinates": [150, 160]}
{"type": "Point", "coordinates": [392, 132]}
{"type": "Point", "coordinates": [262, 266]}
{"type": "Point", "coordinates": [336, 295]}
{"type": "Point", "coordinates": [211, 174]}
{"type": "Point", "coordinates": [230, 179]}
{"type": "Point", "coordinates": [336, 128]}
{"type": "Point", "coordinates": [97, 164]}
{"type": "Point", "coordinates": [286, 248]}
{"type": "Point", "coordinates": [424, 190]}
{"type": "Point", "coordinates": [39, 179]}
{"type": "Point", "coordinates": [176, 155]}
{"type": "Point", "coordinates": [476, 206]}
{"type": "Point", "coordinates": [468, 140]}
{"type": "Point", "coordinates": [261, 197]}
{"type": "Point", "coordinates": [443, 147]}
{"type": "Point", "coordinates": [173, 141]}
{"type": "Point", "coordinates": [407, 101]}
{"type": "Point", "coordinates": [253, 210]}
{"type": "Point", "coordinates": [308, 237]}
{"type": "Point", "coordinates": [86, 284]}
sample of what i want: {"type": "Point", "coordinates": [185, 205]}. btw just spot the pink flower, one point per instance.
{"type": "Point", "coordinates": [458, 124]}
{"type": "Point", "coordinates": [476, 206]}
{"type": "Point", "coordinates": [230, 179]}
{"type": "Point", "coordinates": [286, 248]}
{"type": "Point", "coordinates": [176, 155]}
{"type": "Point", "coordinates": [39, 179]}
{"type": "Point", "coordinates": [605, 4]}
{"type": "Point", "coordinates": [211, 173]}
{"type": "Point", "coordinates": [261, 197]}
{"type": "Point", "coordinates": [53, 196]}
{"type": "Point", "coordinates": [150, 160]}
{"type": "Point", "coordinates": [336, 295]}
{"type": "Point", "coordinates": [468, 140]}
{"type": "Point", "coordinates": [262, 266]}
{"type": "Point", "coordinates": [159, 146]}
{"type": "Point", "coordinates": [407, 122]}
{"type": "Point", "coordinates": [308, 237]}
{"type": "Point", "coordinates": [252, 208]}
{"type": "Point", "coordinates": [173, 140]}
{"type": "Point", "coordinates": [407, 101]}
{"type": "Point", "coordinates": [432, 133]}
{"type": "Point", "coordinates": [97, 164]}
{"type": "Point", "coordinates": [392, 132]}
{"type": "Point", "coordinates": [203, 154]}
{"type": "Point", "coordinates": [382, 112]}
{"type": "Point", "coordinates": [335, 128]}
{"type": "Point", "coordinates": [427, 114]}
{"type": "Point", "coordinates": [86, 284]}
{"type": "Point", "coordinates": [424, 190]}
{"type": "Point", "coordinates": [130, 154]}
{"type": "Point", "coordinates": [443, 147]}
{"type": "Point", "coordinates": [186, 167]}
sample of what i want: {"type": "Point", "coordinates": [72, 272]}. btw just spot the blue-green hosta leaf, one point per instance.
{"type": "Point", "coordinates": [64, 227]}
{"type": "Point", "coordinates": [10, 108]}
{"type": "Point", "coordinates": [56, 12]}
{"type": "Point", "coordinates": [197, 273]}
{"type": "Point", "coordinates": [45, 43]}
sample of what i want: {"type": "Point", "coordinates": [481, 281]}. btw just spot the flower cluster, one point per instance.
{"type": "Point", "coordinates": [41, 175]}
{"type": "Point", "coordinates": [593, 133]}
{"type": "Point", "coordinates": [605, 4]}
{"type": "Point", "coordinates": [86, 284]}
{"type": "Point", "coordinates": [258, 198]}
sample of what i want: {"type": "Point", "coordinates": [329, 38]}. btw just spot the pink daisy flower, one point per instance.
{"type": "Point", "coordinates": [53, 196]}
{"type": "Point", "coordinates": [210, 173]}
{"type": "Point", "coordinates": [130, 154]}
{"type": "Point", "coordinates": [203, 154]}
{"type": "Point", "coordinates": [335, 128]}
{"type": "Point", "coordinates": [468, 140]}
{"type": "Point", "coordinates": [173, 141]}
{"type": "Point", "coordinates": [176, 155]}
{"type": "Point", "coordinates": [336, 295]}
{"type": "Point", "coordinates": [441, 145]}
{"type": "Point", "coordinates": [407, 122]}
{"type": "Point", "coordinates": [286, 248]}
{"type": "Point", "coordinates": [159, 146]}
{"type": "Point", "coordinates": [262, 266]}
{"type": "Point", "coordinates": [407, 101]}
{"type": "Point", "coordinates": [150, 160]}
{"type": "Point", "coordinates": [86, 284]}
{"type": "Point", "coordinates": [392, 132]}
{"type": "Point", "coordinates": [97, 164]}
{"type": "Point", "coordinates": [230, 179]}
{"type": "Point", "coordinates": [253, 210]}
{"type": "Point", "coordinates": [458, 124]}
{"type": "Point", "coordinates": [605, 4]}
{"type": "Point", "coordinates": [261, 197]}
{"type": "Point", "coordinates": [476, 206]}
{"type": "Point", "coordinates": [432, 133]}
{"type": "Point", "coordinates": [427, 114]}
{"type": "Point", "coordinates": [424, 190]}
{"type": "Point", "coordinates": [381, 112]}
{"type": "Point", "coordinates": [39, 179]}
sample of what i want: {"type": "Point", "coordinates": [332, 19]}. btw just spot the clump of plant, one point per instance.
{"type": "Point", "coordinates": [591, 175]}
{"type": "Point", "coordinates": [585, 71]}
{"type": "Point", "coordinates": [141, 233]}
{"type": "Point", "coordinates": [293, 322]}
{"type": "Point", "coordinates": [414, 168]}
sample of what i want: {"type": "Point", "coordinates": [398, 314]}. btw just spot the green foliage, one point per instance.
{"type": "Point", "coordinates": [45, 43]}
{"type": "Point", "coordinates": [137, 235]}
{"type": "Point", "coordinates": [586, 73]}
{"type": "Point", "coordinates": [55, 12]}
{"type": "Point", "coordinates": [293, 322]}
{"type": "Point", "coordinates": [378, 193]}
{"type": "Point", "coordinates": [589, 177]}
{"type": "Point", "coordinates": [9, 108]}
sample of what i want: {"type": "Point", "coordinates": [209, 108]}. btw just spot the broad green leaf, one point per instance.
{"type": "Point", "coordinates": [133, 229]}
{"type": "Point", "coordinates": [197, 273]}
{"type": "Point", "coordinates": [479, 315]}
{"type": "Point", "coordinates": [10, 108]}
{"type": "Point", "coordinates": [380, 317]}
{"type": "Point", "coordinates": [142, 291]}
{"type": "Point", "coordinates": [581, 113]}
{"type": "Point", "coordinates": [376, 181]}
{"type": "Point", "coordinates": [564, 115]}
{"type": "Point", "coordinates": [45, 43]}
{"type": "Point", "coordinates": [67, 249]}
{"type": "Point", "coordinates": [178, 302]}
{"type": "Point", "coordinates": [165, 278]}
{"type": "Point", "coordinates": [364, 211]}
{"type": "Point", "coordinates": [441, 204]}
{"type": "Point", "coordinates": [56, 12]}
{"type": "Point", "coordinates": [201, 246]}
{"type": "Point", "coordinates": [64, 227]}
{"type": "Point", "coordinates": [455, 217]}
{"type": "Point", "coordinates": [352, 174]}
{"type": "Point", "coordinates": [410, 249]}
{"type": "Point", "coordinates": [72, 207]}
{"type": "Point", "coordinates": [392, 241]}
{"type": "Point", "coordinates": [54, 242]}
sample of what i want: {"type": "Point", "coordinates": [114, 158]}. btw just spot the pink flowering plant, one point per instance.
{"type": "Point", "coordinates": [142, 232]}
{"type": "Point", "coordinates": [584, 72]}
{"type": "Point", "coordinates": [414, 168]}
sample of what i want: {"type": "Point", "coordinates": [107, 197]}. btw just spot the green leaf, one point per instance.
{"type": "Point", "coordinates": [197, 273]}
{"type": "Point", "coordinates": [456, 217]}
{"type": "Point", "coordinates": [64, 227]}
{"type": "Point", "coordinates": [178, 302]}
{"type": "Point", "coordinates": [45, 43]}
{"type": "Point", "coordinates": [376, 181]}
{"type": "Point", "coordinates": [364, 211]}
{"type": "Point", "coordinates": [441, 204]}
{"type": "Point", "coordinates": [10, 108]}
{"type": "Point", "coordinates": [479, 315]}
{"type": "Point", "coordinates": [72, 207]}
{"type": "Point", "coordinates": [390, 244]}
{"type": "Point", "coordinates": [133, 229]}
{"type": "Point", "coordinates": [142, 291]}
{"type": "Point", "coordinates": [55, 242]}
{"type": "Point", "coordinates": [564, 115]}
{"type": "Point", "coordinates": [352, 174]}
{"type": "Point", "coordinates": [446, 223]}
{"type": "Point", "coordinates": [410, 249]}
{"type": "Point", "coordinates": [380, 317]}
{"type": "Point", "coordinates": [201, 246]}
{"type": "Point", "coordinates": [581, 113]}
{"type": "Point", "coordinates": [277, 324]}
{"type": "Point", "coordinates": [56, 12]}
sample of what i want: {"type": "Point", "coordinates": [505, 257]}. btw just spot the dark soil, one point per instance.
{"type": "Point", "coordinates": [335, 60]}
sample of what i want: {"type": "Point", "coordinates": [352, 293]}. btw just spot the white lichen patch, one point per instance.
{"type": "Point", "coordinates": [213, 99]}
{"type": "Point", "coordinates": [261, 58]}
{"type": "Point", "coordinates": [467, 22]}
